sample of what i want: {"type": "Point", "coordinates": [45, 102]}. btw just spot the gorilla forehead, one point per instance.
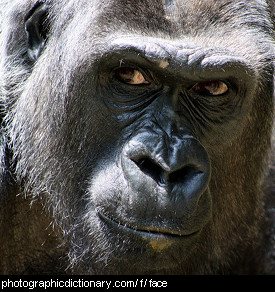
{"type": "Point", "coordinates": [230, 23]}
{"type": "Point", "coordinates": [167, 15]}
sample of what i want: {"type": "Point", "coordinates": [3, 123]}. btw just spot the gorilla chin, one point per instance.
{"type": "Point", "coordinates": [146, 251]}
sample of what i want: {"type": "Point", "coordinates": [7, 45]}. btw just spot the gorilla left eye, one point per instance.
{"type": "Point", "coordinates": [212, 88]}
{"type": "Point", "coordinates": [130, 76]}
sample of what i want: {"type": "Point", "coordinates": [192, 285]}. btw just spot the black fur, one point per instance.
{"type": "Point", "coordinates": [62, 136]}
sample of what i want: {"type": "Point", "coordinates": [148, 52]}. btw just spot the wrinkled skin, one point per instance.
{"type": "Point", "coordinates": [139, 133]}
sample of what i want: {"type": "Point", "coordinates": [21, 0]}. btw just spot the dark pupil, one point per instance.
{"type": "Point", "coordinates": [209, 87]}
{"type": "Point", "coordinates": [126, 74]}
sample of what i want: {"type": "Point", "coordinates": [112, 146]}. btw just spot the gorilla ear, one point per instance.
{"type": "Point", "coordinates": [36, 30]}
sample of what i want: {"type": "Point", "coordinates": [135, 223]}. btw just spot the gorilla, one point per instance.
{"type": "Point", "coordinates": [136, 137]}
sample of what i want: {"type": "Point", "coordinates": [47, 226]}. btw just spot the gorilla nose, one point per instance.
{"type": "Point", "coordinates": [177, 166]}
{"type": "Point", "coordinates": [164, 174]}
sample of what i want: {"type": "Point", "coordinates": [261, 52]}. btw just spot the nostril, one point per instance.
{"type": "Point", "coordinates": [152, 169]}
{"type": "Point", "coordinates": [162, 177]}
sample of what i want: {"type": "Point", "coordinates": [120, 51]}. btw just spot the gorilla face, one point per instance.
{"type": "Point", "coordinates": [151, 192]}
{"type": "Point", "coordinates": [144, 125]}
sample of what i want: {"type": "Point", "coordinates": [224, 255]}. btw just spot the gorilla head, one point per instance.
{"type": "Point", "coordinates": [144, 127]}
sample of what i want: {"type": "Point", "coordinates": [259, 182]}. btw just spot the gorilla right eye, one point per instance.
{"type": "Point", "coordinates": [212, 88]}
{"type": "Point", "coordinates": [130, 76]}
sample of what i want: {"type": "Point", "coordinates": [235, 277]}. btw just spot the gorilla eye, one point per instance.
{"type": "Point", "coordinates": [130, 76]}
{"type": "Point", "coordinates": [213, 87]}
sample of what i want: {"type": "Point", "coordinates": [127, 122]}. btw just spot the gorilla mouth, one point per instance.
{"type": "Point", "coordinates": [150, 232]}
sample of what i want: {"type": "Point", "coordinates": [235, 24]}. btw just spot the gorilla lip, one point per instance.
{"type": "Point", "coordinates": [153, 232]}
